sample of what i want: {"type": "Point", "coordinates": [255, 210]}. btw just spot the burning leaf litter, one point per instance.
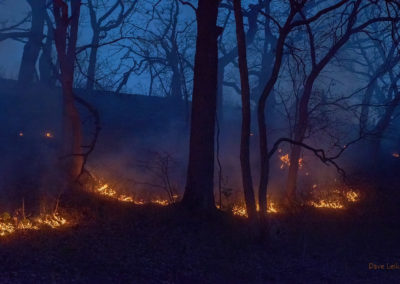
{"type": "Point", "coordinates": [334, 199]}
{"type": "Point", "coordinates": [240, 209]}
{"type": "Point", "coordinates": [10, 225]}
{"type": "Point", "coordinates": [107, 191]}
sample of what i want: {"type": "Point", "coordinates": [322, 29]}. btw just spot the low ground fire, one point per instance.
{"type": "Point", "coordinates": [11, 224]}
{"type": "Point", "coordinates": [104, 189]}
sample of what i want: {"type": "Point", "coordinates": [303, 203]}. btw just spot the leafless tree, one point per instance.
{"type": "Point", "coordinates": [247, 179]}
{"type": "Point", "coordinates": [353, 21]}
{"type": "Point", "coordinates": [101, 26]}
{"type": "Point", "coordinates": [66, 36]}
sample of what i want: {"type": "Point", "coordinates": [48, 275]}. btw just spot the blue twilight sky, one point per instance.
{"type": "Point", "coordinates": [12, 11]}
{"type": "Point", "coordinates": [10, 51]}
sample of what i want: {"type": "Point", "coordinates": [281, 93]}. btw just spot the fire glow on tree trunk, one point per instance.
{"type": "Point", "coordinates": [66, 50]}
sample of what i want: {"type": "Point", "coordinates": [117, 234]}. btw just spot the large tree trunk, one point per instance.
{"type": "Point", "coordinates": [299, 133]}
{"type": "Point", "coordinates": [72, 132]}
{"type": "Point", "coordinates": [32, 48]}
{"type": "Point", "coordinates": [247, 179]}
{"type": "Point", "coordinates": [199, 193]}
{"type": "Point", "coordinates": [293, 172]}
{"type": "Point", "coordinates": [66, 50]}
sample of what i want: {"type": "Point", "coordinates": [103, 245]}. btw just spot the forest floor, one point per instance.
{"type": "Point", "coordinates": [123, 243]}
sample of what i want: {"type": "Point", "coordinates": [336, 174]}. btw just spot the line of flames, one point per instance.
{"type": "Point", "coordinates": [237, 209]}
{"type": "Point", "coordinates": [107, 191]}
{"type": "Point", "coordinates": [350, 196]}
{"type": "Point", "coordinates": [10, 225]}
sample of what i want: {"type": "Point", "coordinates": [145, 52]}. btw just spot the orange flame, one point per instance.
{"type": "Point", "coordinates": [335, 199]}
{"type": "Point", "coordinates": [9, 225]}
{"type": "Point", "coordinates": [285, 159]}
{"type": "Point", "coordinates": [107, 191]}
{"type": "Point", "coordinates": [240, 209]}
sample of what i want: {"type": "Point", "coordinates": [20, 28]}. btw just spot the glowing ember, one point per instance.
{"type": "Point", "coordinates": [396, 155]}
{"type": "Point", "coordinates": [48, 135]}
{"type": "Point", "coordinates": [21, 134]}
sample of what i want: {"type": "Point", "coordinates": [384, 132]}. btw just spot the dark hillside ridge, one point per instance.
{"type": "Point", "coordinates": [131, 125]}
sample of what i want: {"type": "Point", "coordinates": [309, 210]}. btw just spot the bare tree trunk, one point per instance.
{"type": "Point", "coordinates": [386, 118]}
{"type": "Point", "coordinates": [220, 92]}
{"type": "Point", "coordinates": [72, 130]}
{"type": "Point", "coordinates": [299, 133]}
{"type": "Point", "coordinates": [262, 126]}
{"type": "Point", "coordinates": [46, 67]}
{"type": "Point", "coordinates": [32, 47]}
{"type": "Point", "coordinates": [176, 82]}
{"type": "Point", "coordinates": [364, 116]}
{"type": "Point", "coordinates": [66, 50]}
{"type": "Point", "coordinates": [103, 24]}
{"type": "Point", "coordinates": [303, 120]}
{"type": "Point", "coordinates": [247, 179]}
{"type": "Point", "coordinates": [293, 172]}
{"type": "Point", "coordinates": [267, 58]}
{"type": "Point", "coordinates": [199, 193]}
{"type": "Point", "coordinates": [91, 75]}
